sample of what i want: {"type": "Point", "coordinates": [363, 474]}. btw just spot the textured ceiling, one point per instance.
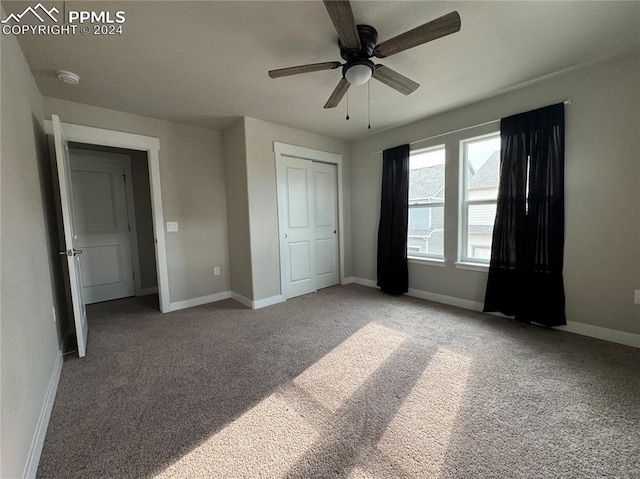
{"type": "Point", "coordinates": [206, 63]}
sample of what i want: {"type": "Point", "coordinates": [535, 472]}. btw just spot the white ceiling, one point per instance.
{"type": "Point", "coordinates": [206, 63]}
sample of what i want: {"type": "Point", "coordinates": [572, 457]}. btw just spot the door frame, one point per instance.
{"type": "Point", "coordinates": [284, 150]}
{"type": "Point", "coordinates": [150, 145]}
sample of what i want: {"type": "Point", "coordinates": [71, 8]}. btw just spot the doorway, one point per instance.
{"type": "Point", "coordinates": [61, 135]}
{"type": "Point", "coordinates": [309, 219]}
{"type": "Point", "coordinates": [114, 224]}
{"type": "Point", "coordinates": [150, 147]}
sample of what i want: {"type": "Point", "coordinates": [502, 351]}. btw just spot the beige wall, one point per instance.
{"type": "Point", "coordinates": [602, 253]}
{"type": "Point", "coordinates": [235, 161]}
{"type": "Point", "coordinates": [263, 202]}
{"type": "Point", "coordinates": [193, 193]}
{"type": "Point", "coordinates": [29, 340]}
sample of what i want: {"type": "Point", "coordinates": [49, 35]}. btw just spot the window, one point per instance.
{"type": "Point", "coordinates": [480, 171]}
{"type": "Point", "coordinates": [425, 235]}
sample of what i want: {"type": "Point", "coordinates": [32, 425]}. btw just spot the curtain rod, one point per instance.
{"type": "Point", "coordinates": [566, 102]}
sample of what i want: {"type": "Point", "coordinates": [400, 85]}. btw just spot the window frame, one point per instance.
{"type": "Point", "coordinates": [465, 203]}
{"type": "Point", "coordinates": [430, 256]}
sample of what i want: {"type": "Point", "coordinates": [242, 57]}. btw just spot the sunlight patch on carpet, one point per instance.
{"type": "Point", "coordinates": [334, 378]}
{"type": "Point", "coordinates": [358, 473]}
{"type": "Point", "coordinates": [264, 442]}
{"type": "Point", "coordinates": [418, 436]}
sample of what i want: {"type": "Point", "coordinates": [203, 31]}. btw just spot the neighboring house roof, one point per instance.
{"type": "Point", "coordinates": [488, 175]}
{"type": "Point", "coordinates": [426, 182]}
{"type": "Point", "coordinates": [470, 170]}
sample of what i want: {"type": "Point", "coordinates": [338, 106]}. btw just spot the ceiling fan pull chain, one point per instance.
{"type": "Point", "coordinates": [369, 103]}
{"type": "Point", "coordinates": [347, 104]}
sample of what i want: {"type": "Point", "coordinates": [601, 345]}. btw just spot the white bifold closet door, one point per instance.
{"type": "Point", "coordinates": [307, 206]}
{"type": "Point", "coordinates": [325, 222]}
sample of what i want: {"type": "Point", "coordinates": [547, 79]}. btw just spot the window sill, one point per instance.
{"type": "Point", "coordinates": [482, 267]}
{"type": "Point", "coordinates": [426, 261]}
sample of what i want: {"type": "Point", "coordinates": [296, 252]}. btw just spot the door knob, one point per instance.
{"type": "Point", "coordinates": [71, 252]}
{"type": "Point", "coordinates": [285, 236]}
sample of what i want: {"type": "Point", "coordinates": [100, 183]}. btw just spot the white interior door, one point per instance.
{"type": "Point", "coordinates": [72, 251]}
{"type": "Point", "coordinates": [325, 224]}
{"type": "Point", "coordinates": [102, 227]}
{"type": "Point", "coordinates": [296, 226]}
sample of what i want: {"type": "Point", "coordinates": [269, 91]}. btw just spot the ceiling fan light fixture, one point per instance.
{"type": "Point", "coordinates": [359, 73]}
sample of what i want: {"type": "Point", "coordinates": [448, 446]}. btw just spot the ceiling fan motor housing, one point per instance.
{"type": "Point", "coordinates": [368, 40]}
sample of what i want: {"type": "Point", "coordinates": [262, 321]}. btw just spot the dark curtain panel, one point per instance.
{"type": "Point", "coordinates": [393, 274]}
{"type": "Point", "coordinates": [525, 274]}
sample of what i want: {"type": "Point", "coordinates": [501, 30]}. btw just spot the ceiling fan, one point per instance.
{"type": "Point", "coordinates": [358, 44]}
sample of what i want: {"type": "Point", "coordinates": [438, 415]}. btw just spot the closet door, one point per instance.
{"type": "Point", "coordinates": [325, 224]}
{"type": "Point", "coordinates": [295, 210]}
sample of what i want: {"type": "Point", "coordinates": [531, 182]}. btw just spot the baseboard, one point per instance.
{"type": "Point", "coordinates": [148, 291]}
{"type": "Point", "coordinates": [347, 280]}
{"type": "Point", "coordinates": [444, 299]}
{"type": "Point", "coordinates": [242, 300]}
{"type": "Point", "coordinates": [212, 298]}
{"type": "Point", "coordinates": [583, 329]}
{"type": "Point", "coordinates": [620, 337]}
{"type": "Point", "coordinates": [43, 421]}
{"type": "Point", "coordinates": [190, 303]}
{"type": "Point", "coordinates": [260, 303]}
{"type": "Point", "coordinates": [263, 303]}
{"type": "Point", "coordinates": [365, 282]}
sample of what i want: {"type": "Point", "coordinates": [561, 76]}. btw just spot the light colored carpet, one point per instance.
{"type": "Point", "coordinates": [347, 382]}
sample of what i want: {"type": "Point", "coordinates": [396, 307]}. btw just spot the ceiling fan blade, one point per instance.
{"type": "Point", "coordinates": [342, 18]}
{"type": "Point", "coordinates": [337, 94]}
{"type": "Point", "coordinates": [312, 67]}
{"type": "Point", "coordinates": [395, 80]}
{"type": "Point", "coordinates": [440, 27]}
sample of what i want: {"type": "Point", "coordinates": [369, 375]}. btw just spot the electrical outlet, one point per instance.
{"type": "Point", "coordinates": [636, 297]}
{"type": "Point", "coordinates": [172, 226]}
{"type": "Point", "coordinates": [216, 270]}
{"type": "Point", "coordinates": [54, 313]}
